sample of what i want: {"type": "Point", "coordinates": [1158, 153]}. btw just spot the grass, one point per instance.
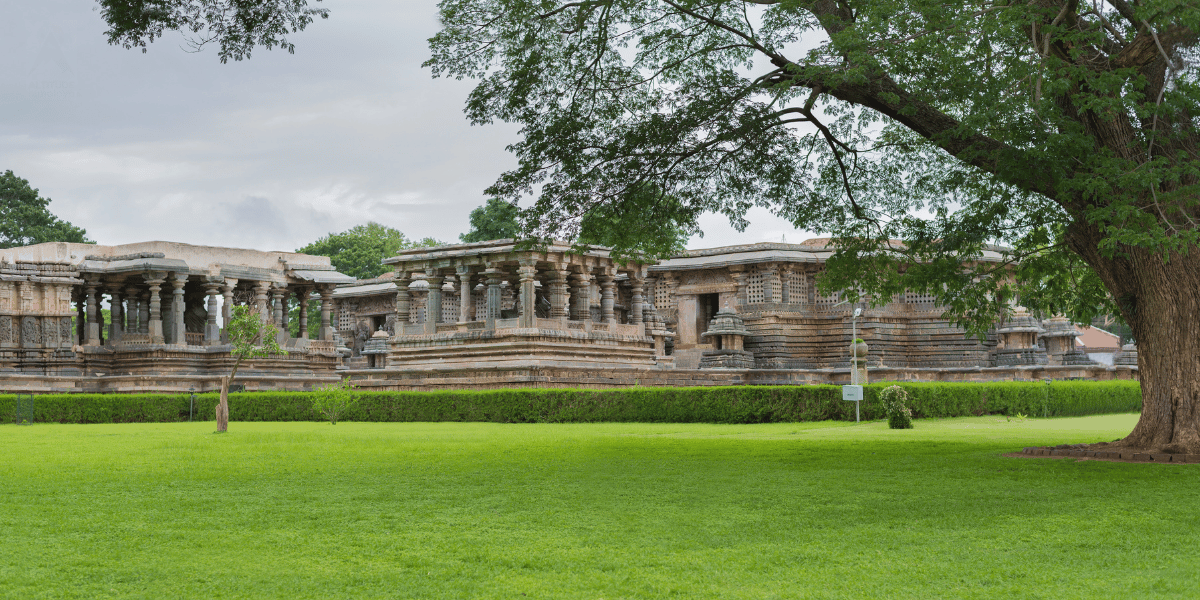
{"type": "Point", "coordinates": [480, 510]}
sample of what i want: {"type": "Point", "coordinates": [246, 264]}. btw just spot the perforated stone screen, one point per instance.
{"type": "Point", "coordinates": [754, 288]}
{"type": "Point", "coordinates": [662, 295]}
{"type": "Point", "coordinates": [797, 287]}
{"type": "Point", "coordinates": [345, 316]}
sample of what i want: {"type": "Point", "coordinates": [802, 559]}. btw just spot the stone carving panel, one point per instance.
{"type": "Point", "coordinates": [65, 331]}
{"type": "Point", "coordinates": [377, 305]}
{"type": "Point", "coordinates": [31, 331]}
{"type": "Point", "coordinates": [6, 332]}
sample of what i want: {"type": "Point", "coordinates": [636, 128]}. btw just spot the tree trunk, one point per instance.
{"type": "Point", "coordinates": [223, 407]}
{"type": "Point", "coordinates": [1160, 299]}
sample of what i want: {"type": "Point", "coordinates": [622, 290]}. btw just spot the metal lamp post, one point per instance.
{"type": "Point", "coordinates": [192, 404]}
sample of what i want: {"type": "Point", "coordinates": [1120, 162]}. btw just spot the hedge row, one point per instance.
{"type": "Point", "coordinates": [740, 404]}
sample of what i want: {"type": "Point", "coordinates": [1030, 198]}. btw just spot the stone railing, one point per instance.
{"type": "Point", "coordinates": [194, 339]}
{"type": "Point", "coordinates": [135, 338]}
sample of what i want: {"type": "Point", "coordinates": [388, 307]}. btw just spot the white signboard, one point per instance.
{"type": "Point", "coordinates": [852, 393]}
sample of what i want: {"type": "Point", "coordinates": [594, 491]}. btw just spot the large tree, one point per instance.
{"type": "Point", "coordinates": [25, 217]}
{"type": "Point", "coordinates": [495, 220]}
{"type": "Point", "coordinates": [360, 250]}
{"type": "Point", "coordinates": [1062, 129]}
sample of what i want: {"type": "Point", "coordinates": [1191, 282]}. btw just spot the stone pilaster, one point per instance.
{"type": "Point", "coordinates": [739, 276]}
{"type": "Point", "coordinates": [771, 284]}
{"type": "Point", "coordinates": [81, 320]}
{"type": "Point", "coordinates": [212, 332]}
{"type": "Point", "coordinates": [528, 298]}
{"type": "Point", "coordinates": [606, 298]}
{"type": "Point", "coordinates": [179, 328]}
{"type": "Point", "coordinates": [581, 309]}
{"type": "Point", "coordinates": [433, 302]}
{"type": "Point", "coordinates": [155, 281]}
{"type": "Point", "coordinates": [492, 311]}
{"type": "Point", "coordinates": [466, 305]}
{"type": "Point", "coordinates": [785, 294]}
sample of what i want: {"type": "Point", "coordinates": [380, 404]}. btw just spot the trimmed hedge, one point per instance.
{"type": "Point", "coordinates": [739, 404]}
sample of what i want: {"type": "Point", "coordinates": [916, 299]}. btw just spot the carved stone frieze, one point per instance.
{"type": "Point", "coordinates": [65, 330]}
{"type": "Point", "coordinates": [6, 332]}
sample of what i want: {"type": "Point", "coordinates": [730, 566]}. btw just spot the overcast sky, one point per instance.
{"type": "Point", "coordinates": [269, 153]}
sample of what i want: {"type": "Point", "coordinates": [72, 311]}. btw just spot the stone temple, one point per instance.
{"type": "Point", "coordinates": [485, 315]}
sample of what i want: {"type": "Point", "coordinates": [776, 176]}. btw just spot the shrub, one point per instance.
{"type": "Point", "coordinates": [732, 404]}
{"type": "Point", "coordinates": [893, 400]}
{"type": "Point", "coordinates": [334, 399]}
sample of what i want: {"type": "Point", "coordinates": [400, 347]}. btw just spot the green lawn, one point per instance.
{"type": "Point", "coordinates": [480, 510]}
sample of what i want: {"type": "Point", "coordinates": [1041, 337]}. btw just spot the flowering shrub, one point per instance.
{"type": "Point", "coordinates": [893, 399]}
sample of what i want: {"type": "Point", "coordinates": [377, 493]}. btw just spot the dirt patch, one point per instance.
{"type": "Point", "coordinates": [1088, 452]}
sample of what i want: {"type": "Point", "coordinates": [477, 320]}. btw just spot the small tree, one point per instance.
{"type": "Point", "coordinates": [334, 399]}
{"type": "Point", "coordinates": [251, 337]}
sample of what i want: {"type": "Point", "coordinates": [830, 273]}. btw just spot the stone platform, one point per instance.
{"type": "Point", "coordinates": [536, 376]}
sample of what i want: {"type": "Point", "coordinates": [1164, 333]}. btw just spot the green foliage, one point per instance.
{"type": "Point", "coordinates": [743, 404]}
{"type": "Point", "coordinates": [250, 335]}
{"type": "Point", "coordinates": [236, 26]}
{"type": "Point", "coordinates": [333, 400]}
{"type": "Point", "coordinates": [893, 399]}
{"type": "Point", "coordinates": [25, 217]}
{"type": "Point", "coordinates": [360, 250]}
{"type": "Point", "coordinates": [496, 220]}
{"type": "Point", "coordinates": [643, 225]}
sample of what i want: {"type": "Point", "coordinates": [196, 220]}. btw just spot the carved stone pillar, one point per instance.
{"type": "Point", "coordinates": [581, 309]}
{"type": "Point", "coordinates": [285, 316]}
{"type": "Point", "coordinates": [466, 305]}
{"type": "Point", "coordinates": [262, 291]}
{"type": "Point", "coordinates": [116, 315]}
{"type": "Point", "coordinates": [636, 287]}
{"type": "Point", "coordinates": [403, 300]}
{"type": "Point", "coordinates": [528, 298]}
{"type": "Point", "coordinates": [81, 320]}
{"type": "Point", "coordinates": [212, 333]}
{"type": "Point", "coordinates": [278, 303]}
{"type": "Point", "coordinates": [560, 293]}
{"type": "Point", "coordinates": [179, 334]}
{"type": "Point", "coordinates": [492, 311]}
{"type": "Point", "coordinates": [302, 295]}
{"type": "Point", "coordinates": [326, 306]}
{"type": "Point", "coordinates": [132, 303]}
{"type": "Point", "coordinates": [144, 313]}
{"type": "Point", "coordinates": [227, 307]}
{"type": "Point", "coordinates": [606, 299]}
{"type": "Point", "coordinates": [433, 303]}
{"type": "Point", "coordinates": [155, 281]}
{"type": "Point", "coordinates": [93, 315]}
